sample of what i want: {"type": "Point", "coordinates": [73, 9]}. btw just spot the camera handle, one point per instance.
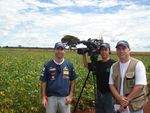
{"type": "Point", "coordinates": [76, 105]}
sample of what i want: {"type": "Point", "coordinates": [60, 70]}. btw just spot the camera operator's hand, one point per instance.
{"type": "Point", "coordinates": [84, 55]}
{"type": "Point", "coordinates": [85, 60]}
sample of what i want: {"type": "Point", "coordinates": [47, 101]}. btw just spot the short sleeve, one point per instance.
{"type": "Point", "coordinates": [73, 75]}
{"type": "Point", "coordinates": [43, 74]}
{"type": "Point", "coordinates": [140, 74]}
{"type": "Point", "coordinates": [111, 81]}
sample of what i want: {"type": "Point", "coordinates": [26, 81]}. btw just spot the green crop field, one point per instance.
{"type": "Point", "coordinates": [20, 85]}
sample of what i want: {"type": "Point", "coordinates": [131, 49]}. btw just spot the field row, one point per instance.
{"type": "Point", "coordinates": [20, 85]}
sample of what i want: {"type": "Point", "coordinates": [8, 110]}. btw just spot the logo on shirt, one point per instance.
{"type": "Point", "coordinates": [52, 72]}
{"type": "Point", "coordinates": [65, 73]}
{"type": "Point", "coordinates": [108, 70]}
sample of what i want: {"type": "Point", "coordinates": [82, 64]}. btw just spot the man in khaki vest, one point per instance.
{"type": "Point", "coordinates": [128, 81]}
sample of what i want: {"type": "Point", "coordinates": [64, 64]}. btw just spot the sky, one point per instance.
{"type": "Point", "coordinates": [42, 23]}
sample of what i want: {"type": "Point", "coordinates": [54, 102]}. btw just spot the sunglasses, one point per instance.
{"type": "Point", "coordinates": [58, 68]}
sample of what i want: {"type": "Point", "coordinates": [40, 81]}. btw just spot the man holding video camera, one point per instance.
{"type": "Point", "coordinates": [58, 82]}
{"type": "Point", "coordinates": [102, 71]}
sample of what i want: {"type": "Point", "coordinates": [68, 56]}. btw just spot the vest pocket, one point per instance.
{"type": "Point", "coordinates": [138, 102]}
{"type": "Point", "coordinates": [130, 77]}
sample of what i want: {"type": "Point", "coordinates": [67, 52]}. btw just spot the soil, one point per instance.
{"type": "Point", "coordinates": [92, 110]}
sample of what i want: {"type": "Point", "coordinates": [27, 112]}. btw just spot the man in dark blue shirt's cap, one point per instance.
{"type": "Point", "coordinates": [58, 82]}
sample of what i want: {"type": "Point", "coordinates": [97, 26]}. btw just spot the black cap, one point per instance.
{"type": "Point", "coordinates": [105, 45]}
{"type": "Point", "coordinates": [123, 43]}
{"type": "Point", "coordinates": [59, 45]}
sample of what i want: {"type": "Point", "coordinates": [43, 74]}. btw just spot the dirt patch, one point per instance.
{"type": "Point", "coordinates": [92, 110]}
{"type": "Point", "coordinates": [147, 107]}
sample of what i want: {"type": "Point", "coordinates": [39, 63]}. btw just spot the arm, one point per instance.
{"type": "Point", "coordinates": [85, 61]}
{"type": "Point", "coordinates": [69, 98]}
{"type": "Point", "coordinates": [135, 91]}
{"type": "Point", "coordinates": [112, 87]}
{"type": "Point", "coordinates": [122, 100]}
{"type": "Point", "coordinates": [72, 88]}
{"type": "Point", "coordinates": [114, 92]}
{"type": "Point", "coordinates": [43, 89]}
{"type": "Point", "coordinates": [140, 80]}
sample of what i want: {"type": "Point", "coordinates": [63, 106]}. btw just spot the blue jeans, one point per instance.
{"type": "Point", "coordinates": [104, 103]}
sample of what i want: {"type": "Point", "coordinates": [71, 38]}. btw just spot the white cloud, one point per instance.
{"type": "Point", "coordinates": [20, 26]}
{"type": "Point", "coordinates": [108, 3]}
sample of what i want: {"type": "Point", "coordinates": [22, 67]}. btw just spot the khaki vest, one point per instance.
{"type": "Point", "coordinates": [129, 81]}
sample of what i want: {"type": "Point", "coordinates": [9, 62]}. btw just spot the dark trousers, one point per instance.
{"type": "Point", "coordinates": [104, 103]}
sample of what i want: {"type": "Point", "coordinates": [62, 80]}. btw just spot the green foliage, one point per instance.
{"type": "Point", "coordinates": [20, 84]}
{"type": "Point", "coordinates": [19, 81]}
{"type": "Point", "coordinates": [70, 40]}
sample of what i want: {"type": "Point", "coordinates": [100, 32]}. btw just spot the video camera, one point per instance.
{"type": "Point", "coordinates": [93, 46]}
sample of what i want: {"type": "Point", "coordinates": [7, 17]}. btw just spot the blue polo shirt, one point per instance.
{"type": "Point", "coordinates": [58, 77]}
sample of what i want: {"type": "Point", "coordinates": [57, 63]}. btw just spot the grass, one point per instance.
{"type": "Point", "coordinates": [19, 79]}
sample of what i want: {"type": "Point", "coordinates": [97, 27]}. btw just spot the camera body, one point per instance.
{"type": "Point", "coordinates": [93, 46]}
{"type": "Point", "coordinates": [82, 51]}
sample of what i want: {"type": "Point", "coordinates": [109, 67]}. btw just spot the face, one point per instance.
{"type": "Point", "coordinates": [123, 52]}
{"type": "Point", "coordinates": [104, 52]}
{"type": "Point", "coordinates": [59, 53]}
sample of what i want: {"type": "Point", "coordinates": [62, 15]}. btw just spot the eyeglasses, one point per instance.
{"type": "Point", "coordinates": [58, 68]}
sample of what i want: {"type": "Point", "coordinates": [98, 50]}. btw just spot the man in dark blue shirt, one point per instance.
{"type": "Point", "coordinates": [58, 82]}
